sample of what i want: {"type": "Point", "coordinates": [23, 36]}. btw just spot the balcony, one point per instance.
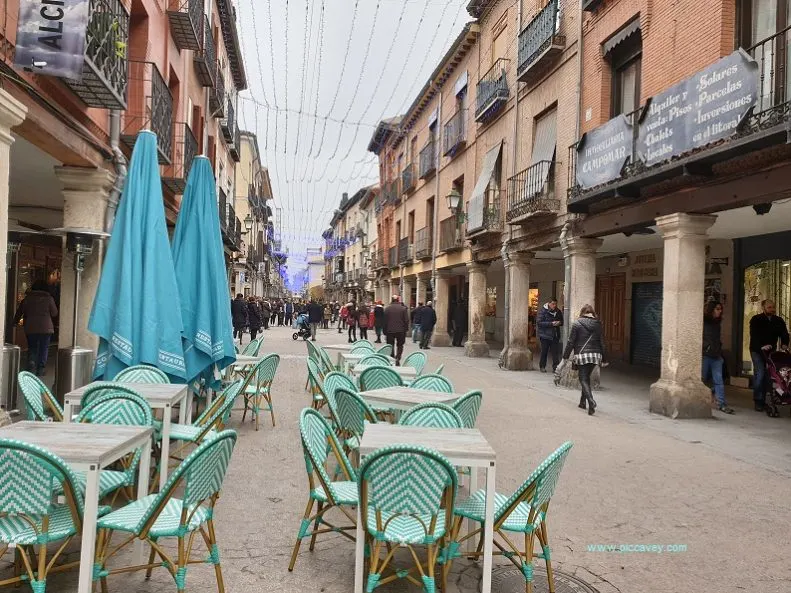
{"type": "Point", "coordinates": [532, 193]}
{"type": "Point", "coordinates": [186, 20]}
{"type": "Point", "coordinates": [104, 69]}
{"type": "Point", "coordinates": [232, 233]}
{"type": "Point", "coordinates": [540, 44]}
{"type": "Point", "coordinates": [424, 243]}
{"type": "Point", "coordinates": [450, 235]}
{"type": "Point", "coordinates": [455, 135]}
{"type": "Point", "coordinates": [217, 98]}
{"type": "Point", "coordinates": [381, 259]}
{"type": "Point", "coordinates": [205, 59]}
{"type": "Point", "coordinates": [404, 255]}
{"type": "Point", "coordinates": [408, 179]}
{"type": "Point", "coordinates": [150, 107]}
{"type": "Point", "coordinates": [234, 149]}
{"type": "Point", "coordinates": [222, 204]}
{"type": "Point", "coordinates": [185, 149]}
{"type": "Point", "coordinates": [392, 257]}
{"type": "Point", "coordinates": [428, 160]}
{"type": "Point", "coordinates": [484, 213]}
{"type": "Point", "coordinates": [492, 91]}
{"type": "Point", "coordinates": [227, 125]}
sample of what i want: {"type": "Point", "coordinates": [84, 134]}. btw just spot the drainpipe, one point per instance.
{"type": "Point", "coordinates": [435, 230]}
{"type": "Point", "coordinates": [119, 162]}
{"type": "Point", "coordinates": [566, 283]}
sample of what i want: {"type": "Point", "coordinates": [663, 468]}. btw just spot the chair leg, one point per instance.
{"type": "Point", "coordinates": [257, 411]}
{"type": "Point", "coordinates": [316, 526]}
{"type": "Point", "coordinates": [246, 401]}
{"type": "Point", "coordinates": [271, 408]}
{"type": "Point", "coordinates": [527, 562]}
{"type": "Point", "coordinates": [215, 556]}
{"type": "Point", "coordinates": [151, 558]}
{"type": "Point", "coordinates": [303, 530]}
{"type": "Point", "coordinates": [543, 537]}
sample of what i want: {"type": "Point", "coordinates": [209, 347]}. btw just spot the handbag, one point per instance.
{"type": "Point", "coordinates": [574, 365]}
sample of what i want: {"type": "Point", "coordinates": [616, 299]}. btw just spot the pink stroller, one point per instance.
{"type": "Point", "coordinates": [778, 365]}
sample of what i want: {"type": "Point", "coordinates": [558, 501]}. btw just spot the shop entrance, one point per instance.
{"type": "Point", "coordinates": [610, 305]}
{"type": "Point", "coordinates": [646, 339]}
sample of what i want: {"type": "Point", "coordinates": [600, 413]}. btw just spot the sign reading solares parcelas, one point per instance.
{"type": "Point", "coordinates": [602, 153]}
{"type": "Point", "coordinates": [702, 109]}
{"type": "Point", "coordinates": [50, 37]}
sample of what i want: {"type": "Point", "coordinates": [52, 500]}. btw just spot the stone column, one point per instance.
{"type": "Point", "coordinates": [476, 346]}
{"type": "Point", "coordinates": [420, 289]}
{"type": "Point", "coordinates": [679, 393]}
{"type": "Point", "coordinates": [12, 113]}
{"type": "Point", "coordinates": [406, 295]}
{"type": "Point", "coordinates": [85, 192]}
{"type": "Point", "coordinates": [580, 255]}
{"type": "Point", "coordinates": [441, 337]}
{"type": "Point", "coordinates": [518, 357]}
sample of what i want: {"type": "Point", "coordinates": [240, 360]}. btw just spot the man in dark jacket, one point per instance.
{"type": "Point", "coordinates": [38, 310]}
{"type": "Point", "coordinates": [396, 326]}
{"type": "Point", "coordinates": [239, 316]}
{"type": "Point", "coordinates": [266, 313]}
{"type": "Point", "coordinates": [428, 319]}
{"type": "Point", "coordinates": [766, 329]}
{"type": "Point", "coordinates": [315, 315]}
{"type": "Point", "coordinates": [289, 312]}
{"type": "Point", "coordinates": [548, 324]}
{"type": "Point", "coordinates": [415, 318]}
{"type": "Point", "coordinates": [460, 315]}
{"type": "Point", "coordinates": [379, 320]}
{"type": "Point", "coordinates": [254, 317]}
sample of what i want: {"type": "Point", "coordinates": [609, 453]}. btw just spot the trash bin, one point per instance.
{"type": "Point", "coordinates": [10, 369]}
{"type": "Point", "coordinates": [75, 366]}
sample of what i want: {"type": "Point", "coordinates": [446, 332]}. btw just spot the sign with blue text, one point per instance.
{"type": "Point", "coordinates": [602, 152]}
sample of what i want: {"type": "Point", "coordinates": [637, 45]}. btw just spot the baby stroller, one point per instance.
{"type": "Point", "coordinates": [778, 366]}
{"type": "Point", "coordinates": [302, 326]}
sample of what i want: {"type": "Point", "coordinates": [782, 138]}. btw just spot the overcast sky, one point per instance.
{"type": "Point", "coordinates": [318, 87]}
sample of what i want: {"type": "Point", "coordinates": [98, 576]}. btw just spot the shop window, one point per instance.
{"type": "Point", "coordinates": [623, 51]}
{"type": "Point", "coordinates": [765, 280]}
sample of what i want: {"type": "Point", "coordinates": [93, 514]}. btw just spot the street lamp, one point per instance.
{"type": "Point", "coordinates": [248, 223]}
{"type": "Point", "coordinates": [454, 200]}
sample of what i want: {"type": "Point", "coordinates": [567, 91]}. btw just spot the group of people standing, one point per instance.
{"type": "Point", "coordinates": [255, 313]}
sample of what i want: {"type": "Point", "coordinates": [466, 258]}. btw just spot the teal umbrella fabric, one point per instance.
{"type": "Point", "coordinates": [136, 312]}
{"type": "Point", "coordinates": [203, 282]}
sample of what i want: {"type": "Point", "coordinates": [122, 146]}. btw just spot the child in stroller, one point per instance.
{"type": "Point", "coordinates": [778, 366]}
{"type": "Point", "coordinates": [302, 325]}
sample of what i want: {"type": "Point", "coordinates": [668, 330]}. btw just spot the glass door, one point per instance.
{"type": "Point", "coordinates": [771, 280]}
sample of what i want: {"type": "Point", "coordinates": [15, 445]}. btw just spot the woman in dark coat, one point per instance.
{"type": "Point", "coordinates": [255, 317]}
{"type": "Point", "coordinates": [351, 321]}
{"type": "Point", "coordinates": [712, 353]}
{"type": "Point", "coordinates": [38, 310]}
{"type": "Point", "coordinates": [239, 316]}
{"type": "Point", "coordinates": [586, 341]}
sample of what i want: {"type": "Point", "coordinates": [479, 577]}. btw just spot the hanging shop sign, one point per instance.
{"type": "Point", "coordinates": [50, 37]}
{"type": "Point", "coordinates": [700, 110]}
{"type": "Point", "coordinates": [602, 152]}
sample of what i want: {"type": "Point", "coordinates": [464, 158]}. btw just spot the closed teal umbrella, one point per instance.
{"type": "Point", "coordinates": [202, 277]}
{"type": "Point", "coordinates": [137, 313]}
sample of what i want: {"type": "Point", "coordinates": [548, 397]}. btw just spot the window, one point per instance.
{"type": "Point", "coordinates": [627, 87]}
{"type": "Point", "coordinates": [624, 52]}
{"type": "Point", "coordinates": [500, 40]}
{"type": "Point", "coordinates": [761, 20]}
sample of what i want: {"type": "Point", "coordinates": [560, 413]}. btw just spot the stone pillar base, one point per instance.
{"type": "Point", "coordinates": [519, 359]}
{"type": "Point", "coordinates": [476, 349]}
{"type": "Point", "coordinates": [688, 399]}
{"type": "Point", "coordinates": [440, 339]}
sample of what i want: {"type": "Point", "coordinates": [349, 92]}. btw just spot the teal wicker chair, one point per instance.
{"type": "Point", "coordinates": [212, 420]}
{"type": "Point", "coordinates": [326, 361]}
{"type": "Point", "coordinates": [416, 360]}
{"type": "Point", "coordinates": [332, 382]}
{"type": "Point", "coordinates": [353, 413]}
{"type": "Point", "coordinates": [361, 347]}
{"type": "Point", "coordinates": [162, 515]}
{"type": "Point", "coordinates": [100, 388]}
{"type": "Point", "coordinates": [386, 350]}
{"type": "Point", "coordinates": [524, 512]}
{"type": "Point", "coordinates": [431, 415]}
{"type": "Point", "coordinates": [375, 360]}
{"type": "Point", "coordinates": [379, 378]}
{"type": "Point", "coordinates": [439, 370]}
{"type": "Point", "coordinates": [120, 409]}
{"type": "Point", "coordinates": [315, 381]}
{"type": "Point", "coordinates": [318, 444]}
{"type": "Point", "coordinates": [38, 398]}
{"type": "Point", "coordinates": [468, 406]}
{"type": "Point", "coordinates": [141, 373]}
{"type": "Point", "coordinates": [253, 347]}
{"type": "Point", "coordinates": [29, 517]}
{"type": "Point", "coordinates": [407, 493]}
{"type": "Point", "coordinates": [257, 388]}
{"type": "Point", "coordinates": [433, 382]}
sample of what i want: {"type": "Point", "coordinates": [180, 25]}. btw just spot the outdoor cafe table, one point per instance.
{"type": "Point", "coordinates": [340, 349]}
{"type": "Point", "coordinates": [403, 398]}
{"type": "Point", "coordinates": [89, 448]}
{"type": "Point", "coordinates": [349, 359]}
{"type": "Point", "coordinates": [464, 447]}
{"type": "Point", "coordinates": [160, 396]}
{"type": "Point", "coordinates": [242, 360]}
{"type": "Point", "coordinates": [406, 373]}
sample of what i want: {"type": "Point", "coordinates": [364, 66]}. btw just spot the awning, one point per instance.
{"type": "Point", "coordinates": [544, 145]}
{"type": "Point", "coordinates": [628, 30]}
{"type": "Point", "coordinates": [477, 202]}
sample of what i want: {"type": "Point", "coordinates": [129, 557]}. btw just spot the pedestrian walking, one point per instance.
{"type": "Point", "coordinates": [585, 340]}
{"type": "Point", "coordinates": [766, 330]}
{"type": "Point", "coordinates": [37, 312]}
{"type": "Point", "coordinates": [327, 312]}
{"type": "Point", "coordinates": [273, 313]}
{"type": "Point", "coordinates": [428, 319]}
{"type": "Point", "coordinates": [344, 312]}
{"type": "Point", "coordinates": [414, 317]}
{"type": "Point", "coordinates": [712, 353]}
{"type": "Point", "coordinates": [336, 312]}
{"type": "Point", "coordinates": [315, 315]}
{"type": "Point", "coordinates": [379, 320]}
{"type": "Point", "coordinates": [281, 315]}
{"type": "Point", "coordinates": [266, 313]}
{"type": "Point", "coordinates": [239, 316]}
{"type": "Point", "coordinates": [289, 312]}
{"type": "Point", "coordinates": [255, 318]}
{"type": "Point", "coordinates": [549, 322]}
{"type": "Point", "coordinates": [351, 321]}
{"type": "Point", "coordinates": [396, 326]}
{"type": "Point", "coordinates": [362, 320]}
{"type": "Point", "coordinates": [459, 322]}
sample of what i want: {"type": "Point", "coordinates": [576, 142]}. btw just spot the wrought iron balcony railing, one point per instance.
{"type": "Point", "coordinates": [392, 257]}
{"type": "Point", "coordinates": [149, 107]}
{"type": "Point", "coordinates": [455, 134]}
{"type": "Point", "coordinates": [381, 258]}
{"type": "Point", "coordinates": [540, 43]}
{"type": "Point", "coordinates": [428, 159]}
{"type": "Point", "coordinates": [450, 234]}
{"type": "Point", "coordinates": [235, 147]}
{"type": "Point", "coordinates": [408, 178]}
{"type": "Point", "coordinates": [404, 256]}
{"type": "Point", "coordinates": [424, 242]}
{"type": "Point", "coordinates": [185, 149]}
{"type": "Point", "coordinates": [104, 69]}
{"type": "Point", "coordinates": [484, 213]}
{"type": "Point", "coordinates": [205, 59]}
{"type": "Point", "coordinates": [222, 204]}
{"type": "Point", "coordinates": [532, 193]}
{"type": "Point", "coordinates": [186, 23]}
{"type": "Point", "coordinates": [227, 125]}
{"type": "Point", "coordinates": [492, 91]}
{"type": "Point", "coordinates": [217, 98]}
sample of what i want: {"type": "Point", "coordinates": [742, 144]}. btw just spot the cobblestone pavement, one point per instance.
{"type": "Point", "coordinates": [632, 479]}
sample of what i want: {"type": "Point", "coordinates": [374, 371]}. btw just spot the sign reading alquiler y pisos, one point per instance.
{"type": "Point", "coordinates": [602, 152]}
{"type": "Point", "coordinates": [700, 110]}
{"type": "Point", "coordinates": [50, 37]}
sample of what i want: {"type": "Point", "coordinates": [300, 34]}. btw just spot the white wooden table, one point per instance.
{"type": "Point", "coordinates": [339, 348]}
{"type": "Point", "coordinates": [242, 360]}
{"type": "Point", "coordinates": [406, 373]}
{"type": "Point", "coordinates": [160, 396]}
{"type": "Point", "coordinates": [403, 398]}
{"type": "Point", "coordinates": [349, 360]}
{"type": "Point", "coordinates": [464, 447]}
{"type": "Point", "coordinates": [89, 448]}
